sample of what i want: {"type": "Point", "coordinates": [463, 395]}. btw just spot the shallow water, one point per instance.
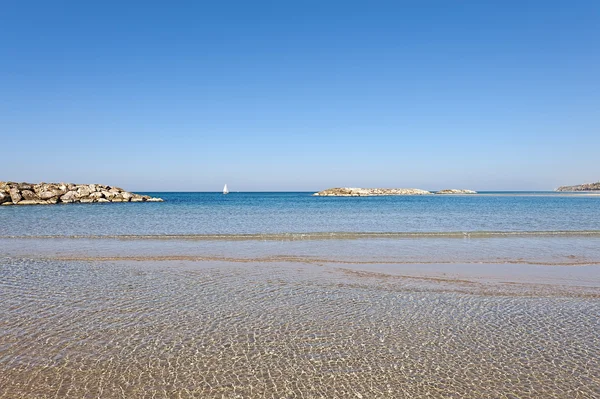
{"type": "Point", "coordinates": [163, 329]}
{"type": "Point", "coordinates": [282, 295]}
{"type": "Point", "coordinates": [544, 250]}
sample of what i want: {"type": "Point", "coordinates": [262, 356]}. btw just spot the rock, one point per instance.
{"type": "Point", "coordinates": [118, 197]}
{"type": "Point", "coordinates": [581, 187]}
{"type": "Point", "coordinates": [70, 196]}
{"type": "Point", "coordinates": [15, 195]}
{"type": "Point", "coordinates": [367, 192]}
{"type": "Point", "coordinates": [4, 197]}
{"type": "Point", "coordinates": [456, 191]}
{"type": "Point", "coordinates": [83, 191]}
{"type": "Point", "coordinates": [31, 202]}
{"type": "Point", "coordinates": [108, 194]}
{"type": "Point", "coordinates": [46, 195]}
{"type": "Point", "coordinates": [29, 195]}
{"type": "Point", "coordinates": [51, 193]}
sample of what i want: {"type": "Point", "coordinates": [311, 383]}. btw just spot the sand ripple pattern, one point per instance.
{"type": "Point", "coordinates": [110, 329]}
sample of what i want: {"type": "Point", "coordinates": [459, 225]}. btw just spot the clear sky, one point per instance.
{"type": "Point", "coordinates": [301, 95]}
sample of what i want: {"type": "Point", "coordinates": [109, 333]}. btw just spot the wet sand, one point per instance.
{"type": "Point", "coordinates": [286, 329]}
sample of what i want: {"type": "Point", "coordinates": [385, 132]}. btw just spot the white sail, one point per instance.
{"type": "Point", "coordinates": [225, 191]}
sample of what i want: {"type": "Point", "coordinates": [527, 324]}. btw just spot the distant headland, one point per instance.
{"type": "Point", "coordinates": [12, 193]}
{"type": "Point", "coordinates": [369, 192]}
{"type": "Point", "coordinates": [581, 187]}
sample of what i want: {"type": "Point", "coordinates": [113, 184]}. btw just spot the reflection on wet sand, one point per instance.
{"type": "Point", "coordinates": [115, 328]}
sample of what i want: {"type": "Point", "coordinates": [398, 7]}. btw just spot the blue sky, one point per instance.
{"type": "Point", "coordinates": [301, 95]}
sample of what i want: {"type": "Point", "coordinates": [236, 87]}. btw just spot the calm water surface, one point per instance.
{"type": "Point", "coordinates": [285, 295]}
{"type": "Point", "coordinates": [171, 329]}
{"type": "Point", "coordinates": [273, 213]}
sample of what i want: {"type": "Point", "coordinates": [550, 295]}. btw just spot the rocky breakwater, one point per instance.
{"type": "Point", "coordinates": [456, 191]}
{"type": "Point", "coordinates": [367, 192]}
{"type": "Point", "coordinates": [12, 193]}
{"type": "Point", "coordinates": [581, 187]}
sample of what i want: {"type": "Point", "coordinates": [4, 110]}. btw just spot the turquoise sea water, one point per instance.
{"type": "Point", "coordinates": [285, 213]}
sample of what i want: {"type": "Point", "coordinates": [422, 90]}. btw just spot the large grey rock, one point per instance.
{"type": "Point", "coordinates": [108, 194]}
{"type": "Point", "coordinates": [15, 195]}
{"type": "Point", "coordinates": [32, 202]}
{"type": "Point", "coordinates": [70, 196]}
{"type": "Point", "coordinates": [4, 197]}
{"type": "Point", "coordinates": [46, 195]}
{"type": "Point", "coordinates": [83, 191]}
{"type": "Point", "coordinates": [29, 195]}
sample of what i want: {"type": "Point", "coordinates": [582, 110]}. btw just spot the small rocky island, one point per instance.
{"type": "Point", "coordinates": [369, 192]}
{"type": "Point", "coordinates": [455, 191]}
{"type": "Point", "coordinates": [366, 192]}
{"type": "Point", "coordinates": [581, 187]}
{"type": "Point", "coordinates": [12, 193]}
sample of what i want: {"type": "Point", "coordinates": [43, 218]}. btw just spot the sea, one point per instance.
{"type": "Point", "coordinates": [285, 295]}
{"type": "Point", "coordinates": [497, 227]}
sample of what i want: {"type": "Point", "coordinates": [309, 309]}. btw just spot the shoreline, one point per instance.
{"type": "Point", "coordinates": [308, 236]}
{"type": "Point", "coordinates": [546, 249]}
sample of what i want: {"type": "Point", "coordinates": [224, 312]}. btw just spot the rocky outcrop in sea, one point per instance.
{"type": "Point", "coordinates": [581, 187]}
{"type": "Point", "coordinates": [12, 193]}
{"type": "Point", "coordinates": [455, 191]}
{"type": "Point", "coordinates": [366, 192]}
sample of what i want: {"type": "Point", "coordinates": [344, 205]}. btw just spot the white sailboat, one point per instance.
{"type": "Point", "coordinates": [225, 191]}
